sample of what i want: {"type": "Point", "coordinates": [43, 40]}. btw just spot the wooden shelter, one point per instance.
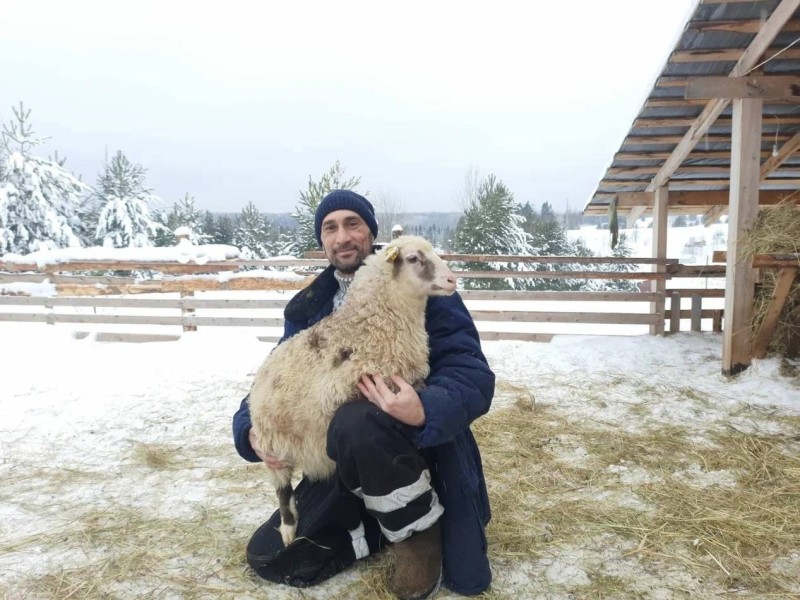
{"type": "Point", "coordinates": [718, 133]}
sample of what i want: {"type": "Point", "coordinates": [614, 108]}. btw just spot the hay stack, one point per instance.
{"type": "Point", "coordinates": [777, 230]}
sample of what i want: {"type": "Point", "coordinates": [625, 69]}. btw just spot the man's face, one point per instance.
{"type": "Point", "coordinates": [346, 240]}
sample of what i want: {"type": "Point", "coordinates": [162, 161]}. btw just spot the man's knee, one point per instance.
{"type": "Point", "coordinates": [358, 426]}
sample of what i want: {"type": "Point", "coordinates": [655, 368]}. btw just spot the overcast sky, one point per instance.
{"type": "Point", "coordinates": [241, 101]}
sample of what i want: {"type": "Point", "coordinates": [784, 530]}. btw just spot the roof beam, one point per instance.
{"type": "Point", "coordinates": [697, 154]}
{"type": "Point", "coordinates": [649, 122]}
{"type": "Point", "coordinates": [773, 162]}
{"type": "Point", "coordinates": [691, 201]}
{"type": "Point", "coordinates": [788, 183]}
{"type": "Point", "coordinates": [768, 87]}
{"type": "Point", "coordinates": [737, 26]}
{"type": "Point", "coordinates": [725, 55]}
{"type": "Point", "coordinates": [763, 39]}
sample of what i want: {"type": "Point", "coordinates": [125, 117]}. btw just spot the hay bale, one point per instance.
{"type": "Point", "coordinates": [777, 231]}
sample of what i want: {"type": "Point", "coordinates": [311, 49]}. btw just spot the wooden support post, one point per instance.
{"type": "Point", "coordinates": [697, 311]}
{"type": "Point", "coordinates": [659, 250]}
{"type": "Point", "coordinates": [743, 207]}
{"type": "Point", "coordinates": [716, 321]}
{"type": "Point", "coordinates": [188, 312]}
{"type": "Point", "coordinates": [674, 312]}
{"type": "Point", "coordinates": [779, 295]}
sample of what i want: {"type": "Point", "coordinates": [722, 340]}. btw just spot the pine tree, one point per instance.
{"type": "Point", "coordinates": [334, 179]}
{"type": "Point", "coordinates": [225, 231]}
{"type": "Point", "coordinates": [491, 225]}
{"type": "Point", "coordinates": [253, 234]}
{"type": "Point", "coordinates": [622, 250]}
{"type": "Point", "coordinates": [124, 219]}
{"type": "Point", "coordinates": [40, 202]}
{"type": "Point", "coordinates": [182, 214]}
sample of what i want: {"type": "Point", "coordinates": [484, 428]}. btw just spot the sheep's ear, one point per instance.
{"type": "Point", "coordinates": [392, 253]}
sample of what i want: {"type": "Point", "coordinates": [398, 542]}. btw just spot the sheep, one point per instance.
{"type": "Point", "coordinates": [380, 329]}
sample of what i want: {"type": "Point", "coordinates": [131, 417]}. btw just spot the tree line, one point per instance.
{"type": "Point", "coordinates": [43, 206]}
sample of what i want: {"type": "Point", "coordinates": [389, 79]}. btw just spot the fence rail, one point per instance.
{"type": "Point", "coordinates": [101, 298]}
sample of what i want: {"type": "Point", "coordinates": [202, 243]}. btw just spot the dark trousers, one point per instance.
{"type": "Point", "coordinates": [375, 457]}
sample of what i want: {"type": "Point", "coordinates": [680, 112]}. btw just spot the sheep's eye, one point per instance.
{"type": "Point", "coordinates": [412, 259]}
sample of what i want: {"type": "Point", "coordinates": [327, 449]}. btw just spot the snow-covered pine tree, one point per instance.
{"type": "Point", "coordinates": [622, 250]}
{"type": "Point", "coordinates": [333, 179]}
{"type": "Point", "coordinates": [225, 230]}
{"type": "Point", "coordinates": [491, 225]}
{"type": "Point", "coordinates": [253, 234]}
{"type": "Point", "coordinates": [182, 214]}
{"type": "Point", "coordinates": [125, 219]}
{"type": "Point", "coordinates": [40, 201]}
{"type": "Point", "coordinates": [549, 238]}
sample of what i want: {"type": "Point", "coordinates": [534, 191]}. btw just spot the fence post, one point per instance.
{"type": "Point", "coordinates": [674, 312]}
{"type": "Point", "coordinates": [697, 312]}
{"type": "Point", "coordinates": [716, 321]}
{"type": "Point", "coordinates": [187, 312]}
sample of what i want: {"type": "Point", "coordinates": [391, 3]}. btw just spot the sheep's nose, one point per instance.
{"type": "Point", "coordinates": [451, 279]}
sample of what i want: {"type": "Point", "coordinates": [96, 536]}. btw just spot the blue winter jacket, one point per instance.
{"type": "Point", "coordinates": [458, 390]}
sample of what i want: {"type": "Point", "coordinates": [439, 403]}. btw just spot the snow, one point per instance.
{"type": "Point", "coordinates": [183, 252]}
{"type": "Point", "coordinates": [83, 408]}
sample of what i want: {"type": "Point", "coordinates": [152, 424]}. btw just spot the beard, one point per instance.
{"type": "Point", "coordinates": [349, 263]}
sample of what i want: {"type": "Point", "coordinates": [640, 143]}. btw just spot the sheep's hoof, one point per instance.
{"type": "Point", "coordinates": [287, 533]}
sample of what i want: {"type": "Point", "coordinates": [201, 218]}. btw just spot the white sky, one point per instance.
{"type": "Point", "coordinates": [242, 101]}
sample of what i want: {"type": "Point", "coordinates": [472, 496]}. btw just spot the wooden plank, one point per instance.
{"type": "Point", "coordinates": [674, 312]}
{"type": "Point", "coordinates": [706, 313]}
{"type": "Point", "coordinates": [762, 86]}
{"type": "Point", "coordinates": [697, 271]}
{"type": "Point", "coordinates": [740, 283]}
{"type": "Point", "coordinates": [650, 170]}
{"type": "Point", "coordinates": [493, 336]}
{"type": "Point", "coordinates": [659, 251]}
{"type": "Point", "coordinates": [695, 198]}
{"type": "Point", "coordinates": [546, 296]}
{"type": "Point", "coordinates": [653, 139]}
{"type": "Point", "coordinates": [703, 293]}
{"type": "Point", "coordinates": [653, 122]}
{"type": "Point", "coordinates": [789, 184]}
{"type": "Point", "coordinates": [179, 285]}
{"type": "Point", "coordinates": [556, 275]}
{"type": "Point", "coordinates": [713, 214]}
{"type": "Point", "coordinates": [696, 312]}
{"type": "Point", "coordinates": [578, 260]}
{"type": "Point", "coordinates": [727, 55]}
{"type": "Point", "coordinates": [716, 321]}
{"type": "Point", "coordinates": [783, 286]}
{"type": "Point", "coordinates": [141, 320]}
{"type": "Point", "coordinates": [134, 338]}
{"type": "Point", "coordinates": [736, 26]}
{"type": "Point", "coordinates": [634, 215]}
{"type": "Point", "coordinates": [507, 316]}
{"type": "Point", "coordinates": [161, 303]}
{"type": "Point", "coordinates": [765, 261]}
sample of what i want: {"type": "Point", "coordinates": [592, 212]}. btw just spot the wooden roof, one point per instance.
{"type": "Point", "coordinates": [685, 142]}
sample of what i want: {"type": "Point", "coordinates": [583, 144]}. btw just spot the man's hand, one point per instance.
{"type": "Point", "coordinates": [272, 462]}
{"type": "Point", "coordinates": [405, 405]}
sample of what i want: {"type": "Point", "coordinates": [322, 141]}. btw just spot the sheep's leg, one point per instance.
{"type": "Point", "coordinates": [289, 516]}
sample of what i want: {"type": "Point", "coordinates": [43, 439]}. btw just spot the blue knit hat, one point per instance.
{"type": "Point", "coordinates": [345, 200]}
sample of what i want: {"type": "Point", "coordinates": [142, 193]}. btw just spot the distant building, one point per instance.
{"type": "Point", "coordinates": [397, 231]}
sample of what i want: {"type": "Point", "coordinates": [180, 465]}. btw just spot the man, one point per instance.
{"type": "Point", "coordinates": [408, 468]}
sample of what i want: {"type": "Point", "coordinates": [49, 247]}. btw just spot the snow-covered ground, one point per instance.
{"type": "Point", "coordinates": [119, 478]}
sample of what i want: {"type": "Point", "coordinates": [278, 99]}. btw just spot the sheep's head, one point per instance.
{"type": "Point", "coordinates": [415, 263]}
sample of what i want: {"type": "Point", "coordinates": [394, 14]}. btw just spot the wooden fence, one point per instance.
{"type": "Point", "coordinates": [215, 294]}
